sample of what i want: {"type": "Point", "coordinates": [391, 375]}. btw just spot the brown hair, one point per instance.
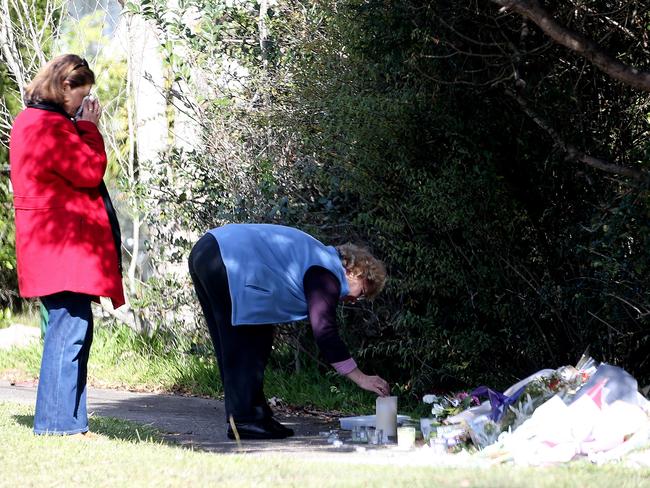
{"type": "Point", "coordinates": [358, 262]}
{"type": "Point", "coordinates": [48, 84]}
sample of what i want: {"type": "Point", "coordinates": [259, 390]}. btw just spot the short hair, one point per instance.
{"type": "Point", "coordinates": [47, 85]}
{"type": "Point", "coordinates": [359, 262]}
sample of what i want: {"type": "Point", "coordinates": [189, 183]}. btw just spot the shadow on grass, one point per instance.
{"type": "Point", "coordinates": [112, 428]}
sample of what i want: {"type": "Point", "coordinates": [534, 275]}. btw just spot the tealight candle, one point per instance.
{"type": "Point", "coordinates": [405, 437]}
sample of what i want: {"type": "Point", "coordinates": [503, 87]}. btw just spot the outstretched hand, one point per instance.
{"type": "Point", "coordinates": [375, 384]}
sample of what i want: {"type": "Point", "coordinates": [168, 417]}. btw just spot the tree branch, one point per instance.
{"type": "Point", "coordinates": [531, 9]}
{"type": "Point", "coordinates": [573, 153]}
{"type": "Point", "coordinates": [9, 52]}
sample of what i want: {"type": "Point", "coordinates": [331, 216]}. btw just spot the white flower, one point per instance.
{"type": "Point", "coordinates": [429, 399]}
{"type": "Point", "coordinates": [437, 409]}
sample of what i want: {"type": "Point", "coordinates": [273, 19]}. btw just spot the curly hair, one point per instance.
{"type": "Point", "coordinates": [47, 85]}
{"type": "Point", "coordinates": [359, 262]}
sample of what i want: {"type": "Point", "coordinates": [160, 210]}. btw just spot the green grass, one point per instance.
{"type": "Point", "coordinates": [120, 358]}
{"type": "Point", "coordinates": [127, 454]}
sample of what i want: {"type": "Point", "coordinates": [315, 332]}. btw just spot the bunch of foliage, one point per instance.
{"type": "Point", "coordinates": [500, 175]}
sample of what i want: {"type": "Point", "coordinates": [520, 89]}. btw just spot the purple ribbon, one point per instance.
{"type": "Point", "coordinates": [499, 402]}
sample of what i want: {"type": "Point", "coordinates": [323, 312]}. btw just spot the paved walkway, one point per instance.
{"type": "Point", "coordinates": [188, 421]}
{"type": "Point", "coordinates": [199, 423]}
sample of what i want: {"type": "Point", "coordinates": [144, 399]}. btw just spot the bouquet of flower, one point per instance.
{"type": "Point", "coordinates": [507, 411]}
{"type": "Point", "coordinates": [443, 406]}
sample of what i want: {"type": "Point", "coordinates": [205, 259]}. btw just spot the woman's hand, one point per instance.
{"type": "Point", "coordinates": [375, 384]}
{"type": "Point", "coordinates": [91, 110]}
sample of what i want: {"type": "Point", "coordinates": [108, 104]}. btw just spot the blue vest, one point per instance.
{"type": "Point", "coordinates": [266, 265]}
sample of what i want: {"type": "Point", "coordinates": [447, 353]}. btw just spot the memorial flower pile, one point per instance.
{"type": "Point", "coordinates": [589, 410]}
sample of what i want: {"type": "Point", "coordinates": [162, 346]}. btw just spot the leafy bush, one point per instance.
{"type": "Point", "coordinates": [398, 125]}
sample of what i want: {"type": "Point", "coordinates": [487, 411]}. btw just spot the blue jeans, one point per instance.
{"type": "Point", "coordinates": [61, 398]}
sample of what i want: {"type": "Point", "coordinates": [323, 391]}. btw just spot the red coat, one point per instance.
{"type": "Point", "coordinates": [64, 240]}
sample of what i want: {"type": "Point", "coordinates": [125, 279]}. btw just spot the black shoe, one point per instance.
{"type": "Point", "coordinates": [281, 428]}
{"type": "Point", "coordinates": [260, 429]}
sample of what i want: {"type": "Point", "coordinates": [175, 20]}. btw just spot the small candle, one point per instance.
{"type": "Point", "coordinates": [405, 437]}
{"type": "Point", "coordinates": [386, 416]}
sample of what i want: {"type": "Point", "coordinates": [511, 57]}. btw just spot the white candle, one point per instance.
{"type": "Point", "coordinates": [386, 415]}
{"type": "Point", "coordinates": [406, 437]}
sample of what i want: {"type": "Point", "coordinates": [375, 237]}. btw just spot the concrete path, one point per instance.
{"type": "Point", "coordinates": [199, 423]}
{"type": "Point", "coordinates": [188, 421]}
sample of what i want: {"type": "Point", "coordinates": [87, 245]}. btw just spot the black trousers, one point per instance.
{"type": "Point", "coordinates": [243, 350]}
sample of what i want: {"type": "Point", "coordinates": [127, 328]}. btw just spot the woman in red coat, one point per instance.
{"type": "Point", "coordinates": [67, 234]}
